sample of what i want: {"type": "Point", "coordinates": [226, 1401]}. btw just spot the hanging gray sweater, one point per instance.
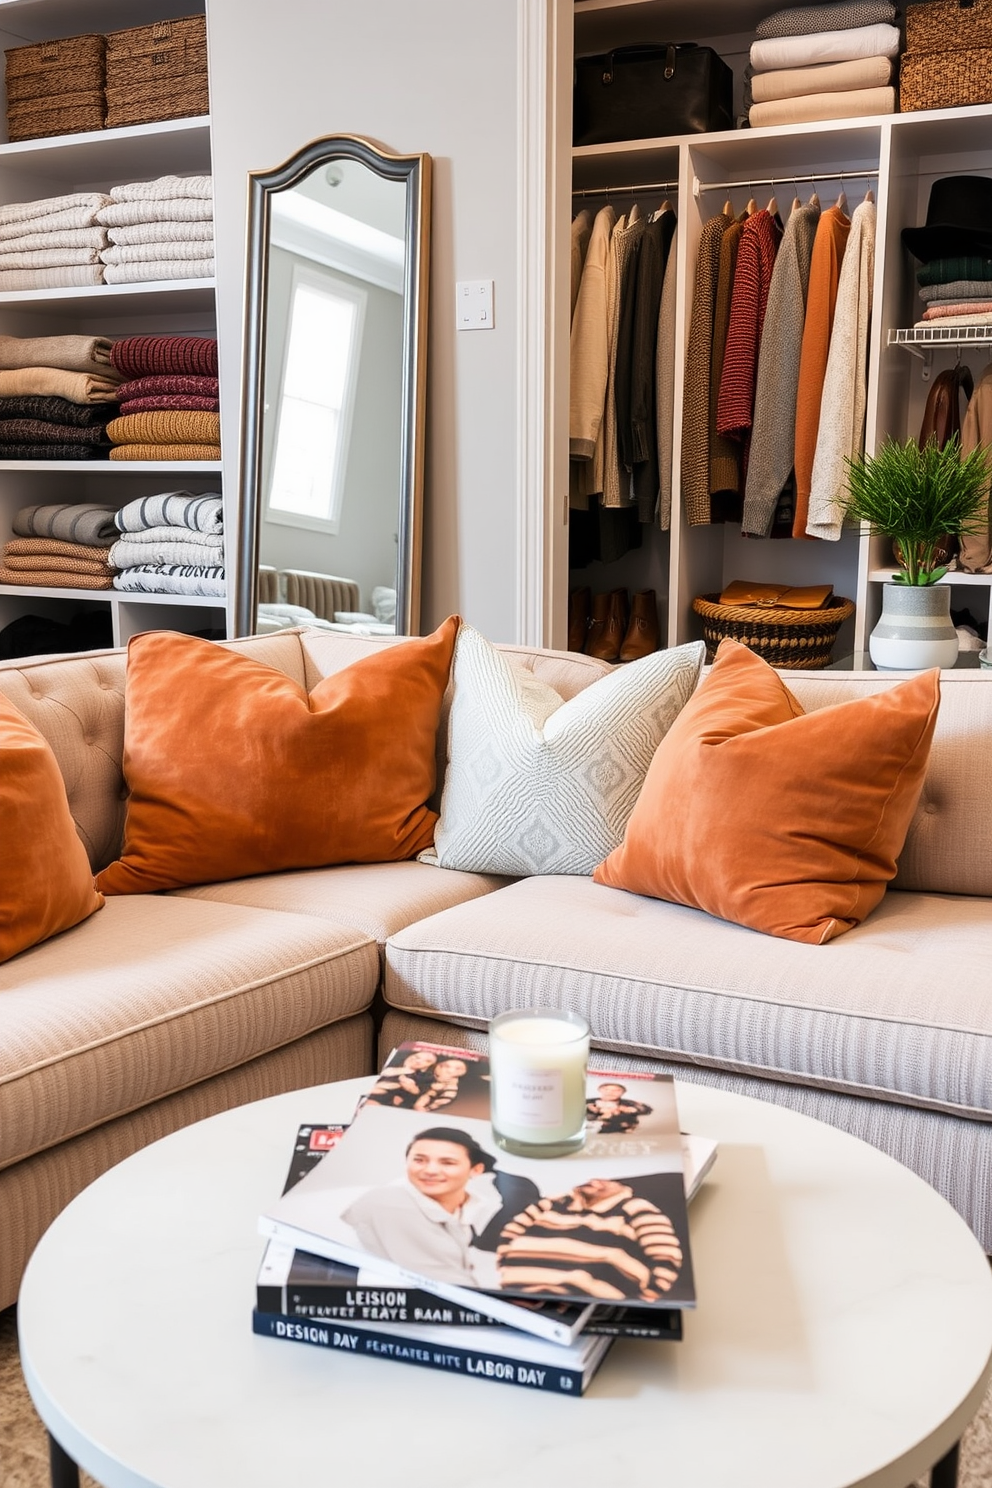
{"type": "Point", "coordinates": [774, 427]}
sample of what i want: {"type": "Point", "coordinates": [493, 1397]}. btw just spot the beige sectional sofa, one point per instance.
{"type": "Point", "coordinates": [165, 1008]}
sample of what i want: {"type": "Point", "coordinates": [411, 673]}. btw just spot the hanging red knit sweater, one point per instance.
{"type": "Point", "coordinates": [755, 260]}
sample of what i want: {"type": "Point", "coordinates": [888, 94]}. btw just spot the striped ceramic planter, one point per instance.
{"type": "Point", "coordinates": [915, 629]}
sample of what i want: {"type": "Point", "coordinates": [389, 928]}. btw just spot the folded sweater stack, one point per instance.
{"type": "Point", "coordinates": [956, 291]}
{"type": "Point", "coordinates": [169, 399]}
{"type": "Point", "coordinates": [57, 394]}
{"type": "Point", "coordinates": [53, 243]}
{"type": "Point", "coordinates": [833, 61]}
{"type": "Point", "coordinates": [172, 543]}
{"type": "Point", "coordinates": [161, 229]}
{"type": "Point", "coordinates": [61, 546]}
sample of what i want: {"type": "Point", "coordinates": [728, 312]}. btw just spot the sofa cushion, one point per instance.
{"type": "Point", "coordinates": [154, 994]}
{"type": "Point", "coordinates": [786, 821]}
{"type": "Point", "coordinates": [537, 785]}
{"type": "Point", "coordinates": [233, 768]}
{"type": "Point", "coordinates": [374, 899]}
{"type": "Point", "coordinates": [947, 847]}
{"type": "Point", "coordinates": [47, 883]}
{"type": "Point", "coordinates": [900, 1008]}
{"type": "Point", "coordinates": [77, 703]}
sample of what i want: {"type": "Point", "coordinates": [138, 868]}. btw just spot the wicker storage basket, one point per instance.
{"type": "Point", "coordinates": [953, 79]}
{"type": "Point", "coordinates": [157, 72]}
{"type": "Point", "coordinates": [785, 638]}
{"type": "Point", "coordinates": [948, 25]}
{"type": "Point", "coordinates": [55, 87]}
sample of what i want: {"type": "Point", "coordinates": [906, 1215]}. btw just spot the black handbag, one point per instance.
{"type": "Point", "coordinates": [644, 92]}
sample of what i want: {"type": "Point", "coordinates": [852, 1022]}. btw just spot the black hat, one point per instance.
{"type": "Point", "coordinates": [959, 220]}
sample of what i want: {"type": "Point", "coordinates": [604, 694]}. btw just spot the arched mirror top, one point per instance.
{"type": "Point", "coordinates": [334, 389]}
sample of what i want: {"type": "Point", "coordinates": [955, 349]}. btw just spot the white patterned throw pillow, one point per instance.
{"type": "Point", "coordinates": [537, 785]}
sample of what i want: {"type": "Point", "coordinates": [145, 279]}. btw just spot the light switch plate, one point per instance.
{"type": "Point", "coordinates": [474, 304]}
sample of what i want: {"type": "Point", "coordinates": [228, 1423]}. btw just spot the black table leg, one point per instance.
{"type": "Point", "coordinates": [65, 1473]}
{"type": "Point", "coordinates": [944, 1474]}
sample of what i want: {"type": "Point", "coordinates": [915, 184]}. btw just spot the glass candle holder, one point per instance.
{"type": "Point", "coordinates": [537, 1063]}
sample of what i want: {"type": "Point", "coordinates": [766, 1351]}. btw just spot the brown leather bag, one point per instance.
{"type": "Point", "coordinates": [942, 415]}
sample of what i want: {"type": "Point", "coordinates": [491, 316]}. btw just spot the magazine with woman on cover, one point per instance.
{"type": "Point", "coordinates": [418, 1189]}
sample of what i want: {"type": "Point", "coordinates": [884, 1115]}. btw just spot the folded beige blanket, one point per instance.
{"type": "Point", "coordinates": [162, 232]}
{"type": "Point", "coordinates": [825, 46]}
{"type": "Point", "coordinates": [863, 102]}
{"type": "Point", "coordinates": [57, 237]}
{"type": "Point", "coordinates": [72, 353]}
{"type": "Point", "coordinates": [72, 276]}
{"type": "Point", "coordinates": [983, 318]}
{"type": "Point", "coordinates": [49, 578]}
{"type": "Point", "coordinates": [183, 209]}
{"type": "Point", "coordinates": [78, 387]}
{"type": "Point", "coordinates": [165, 452]}
{"type": "Point", "coordinates": [835, 77]}
{"type": "Point", "coordinates": [23, 211]}
{"type": "Point", "coordinates": [122, 253]}
{"type": "Point", "coordinates": [68, 221]}
{"type": "Point", "coordinates": [47, 258]}
{"type": "Point", "coordinates": [165, 188]}
{"type": "Point", "coordinates": [161, 268]}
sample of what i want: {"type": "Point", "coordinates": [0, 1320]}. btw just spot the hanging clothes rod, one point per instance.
{"type": "Point", "coordinates": [698, 186]}
{"type": "Point", "coordinates": [644, 186]}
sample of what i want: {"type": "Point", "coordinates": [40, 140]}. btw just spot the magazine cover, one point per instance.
{"type": "Point", "coordinates": [486, 1353]}
{"type": "Point", "coordinates": [419, 1191]}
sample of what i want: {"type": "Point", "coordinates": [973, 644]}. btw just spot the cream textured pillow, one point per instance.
{"type": "Point", "coordinates": [535, 785]}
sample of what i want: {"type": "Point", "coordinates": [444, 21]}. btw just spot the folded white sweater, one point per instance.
{"type": "Point", "coordinates": [825, 46]}
{"type": "Point", "coordinates": [169, 268]}
{"type": "Point", "coordinates": [182, 209]}
{"type": "Point", "coordinates": [71, 218]}
{"type": "Point", "coordinates": [162, 232]}
{"type": "Point", "coordinates": [72, 276]}
{"type": "Point", "coordinates": [122, 253]}
{"type": "Point", "coordinates": [47, 258]}
{"type": "Point", "coordinates": [24, 211]}
{"type": "Point", "coordinates": [165, 188]}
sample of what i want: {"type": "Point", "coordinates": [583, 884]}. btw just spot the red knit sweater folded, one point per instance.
{"type": "Point", "coordinates": [139, 356]}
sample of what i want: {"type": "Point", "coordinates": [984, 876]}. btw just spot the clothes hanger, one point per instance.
{"type": "Point", "coordinates": [773, 206]}
{"type": "Point", "coordinates": [842, 201]}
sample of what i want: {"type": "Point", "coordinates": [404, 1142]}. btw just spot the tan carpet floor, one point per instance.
{"type": "Point", "coordinates": [24, 1446]}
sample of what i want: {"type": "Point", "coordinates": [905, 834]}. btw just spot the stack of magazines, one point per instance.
{"type": "Point", "coordinates": [409, 1235]}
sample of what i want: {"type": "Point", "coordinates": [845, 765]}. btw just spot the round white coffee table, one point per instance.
{"type": "Point", "coordinates": [843, 1333]}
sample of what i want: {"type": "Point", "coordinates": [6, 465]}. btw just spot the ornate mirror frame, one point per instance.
{"type": "Point", "coordinates": [415, 171]}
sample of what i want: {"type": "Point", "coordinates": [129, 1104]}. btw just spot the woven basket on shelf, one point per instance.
{"type": "Point", "coordinates": [55, 87]}
{"type": "Point", "coordinates": [948, 25]}
{"type": "Point", "coordinates": [157, 72]}
{"type": "Point", "coordinates": [783, 637]}
{"type": "Point", "coordinates": [951, 79]}
{"type": "Point", "coordinates": [27, 121]}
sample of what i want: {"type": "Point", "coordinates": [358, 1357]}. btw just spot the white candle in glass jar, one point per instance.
{"type": "Point", "coordinates": [538, 1061]}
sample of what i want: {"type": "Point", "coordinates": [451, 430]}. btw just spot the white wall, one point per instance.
{"type": "Point", "coordinates": [414, 75]}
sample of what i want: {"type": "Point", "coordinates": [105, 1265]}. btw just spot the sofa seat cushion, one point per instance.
{"type": "Point", "coordinates": [374, 899]}
{"type": "Point", "coordinates": [899, 1008]}
{"type": "Point", "coordinates": [154, 994]}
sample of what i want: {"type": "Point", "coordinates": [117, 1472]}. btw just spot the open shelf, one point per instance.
{"type": "Point", "coordinates": [117, 467]}
{"type": "Point", "coordinates": [42, 20]}
{"type": "Point", "coordinates": [979, 581]}
{"type": "Point", "coordinates": [138, 152]}
{"type": "Point", "coordinates": [125, 596]}
{"type": "Point", "coordinates": [172, 295]}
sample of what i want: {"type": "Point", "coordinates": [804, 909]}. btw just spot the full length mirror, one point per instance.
{"type": "Point", "coordinates": [334, 388]}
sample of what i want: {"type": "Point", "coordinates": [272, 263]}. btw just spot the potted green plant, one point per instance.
{"type": "Point", "coordinates": [918, 496]}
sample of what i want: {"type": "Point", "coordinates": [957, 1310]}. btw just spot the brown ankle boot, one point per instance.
{"type": "Point", "coordinates": [579, 602]}
{"type": "Point", "coordinates": [608, 625]}
{"type": "Point", "coordinates": [643, 633]}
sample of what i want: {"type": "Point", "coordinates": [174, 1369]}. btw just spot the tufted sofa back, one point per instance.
{"type": "Point", "coordinates": [77, 702]}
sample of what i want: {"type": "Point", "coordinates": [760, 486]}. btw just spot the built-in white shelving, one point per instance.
{"type": "Point", "coordinates": [98, 160]}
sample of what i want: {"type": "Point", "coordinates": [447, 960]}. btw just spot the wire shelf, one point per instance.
{"type": "Point", "coordinates": [922, 341]}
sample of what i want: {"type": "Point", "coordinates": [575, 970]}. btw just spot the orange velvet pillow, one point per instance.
{"type": "Point", "coordinates": [47, 883]}
{"type": "Point", "coordinates": [784, 821]}
{"type": "Point", "coordinates": [233, 769]}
